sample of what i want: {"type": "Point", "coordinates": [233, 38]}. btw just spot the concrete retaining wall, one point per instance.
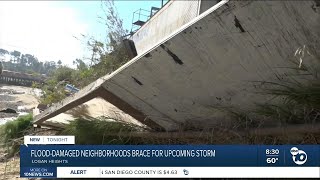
{"type": "Point", "coordinates": [213, 62]}
{"type": "Point", "coordinates": [209, 63]}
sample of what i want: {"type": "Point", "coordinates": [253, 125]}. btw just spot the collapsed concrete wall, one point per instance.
{"type": "Point", "coordinates": [209, 62]}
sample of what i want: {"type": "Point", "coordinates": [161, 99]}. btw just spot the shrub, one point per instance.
{"type": "Point", "coordinates": [298, 98]}
{"type": "Point", "coordinates": [99, 131]}
{"type": "Point", "coordinates": [13, 130]}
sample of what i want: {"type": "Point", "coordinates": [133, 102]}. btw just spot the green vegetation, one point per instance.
{"type": "Point", "coordinates": [15, 129]}
{"type": "Point", "coordinates": [53, 88]}
{"type": "Point", "coordinates": [106, 131]}
{"type": "Point", "coordinates": [26, 63]}
{"type": "Point", "coordinates": [292, 99]}
{"type": "Point", "coordinates": [296, 99]}
{"type": "Point", "coordinates": [105, 58]}
{"type": "Point", "coordinates": [12, 132]}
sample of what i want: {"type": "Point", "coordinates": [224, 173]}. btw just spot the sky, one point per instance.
{"type": "Point", "coordinates": [51, 30]}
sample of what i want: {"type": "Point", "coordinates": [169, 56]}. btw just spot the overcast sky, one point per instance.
{"type": "Point", "coordinates": [47, 29]}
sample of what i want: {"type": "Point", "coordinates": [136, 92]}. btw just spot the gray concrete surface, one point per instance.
{"type": "Point", "coordinates": [210, 62]}
{"type": "Point", "coordinates": [171, 17]}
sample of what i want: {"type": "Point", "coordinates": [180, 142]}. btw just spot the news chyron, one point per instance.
{"type": "Point", "coordinates": [60, 157]}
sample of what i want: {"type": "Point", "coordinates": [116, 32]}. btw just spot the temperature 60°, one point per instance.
{"type": "Point", "coordinates": [272, 160]}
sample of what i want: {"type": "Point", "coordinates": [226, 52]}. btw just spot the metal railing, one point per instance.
{"type": "Point", "coordinates": [141, 16]}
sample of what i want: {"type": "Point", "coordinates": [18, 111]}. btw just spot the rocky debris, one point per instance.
{"type": "Point", "coordinates": [22, 109]}
{"type": "Point", "coordinates": [42, 107]}
{"type": "Point", "coordinates": [8, 110]}
{"type": "Point", "coordinates": [10, 91]}
{"type": "Point", "coordinates": [4, 157]}
{"type": "Point", "coordinates": [6, 119]}
{"type": "Point", "coordinates": [15, 101]}
{"type": "Point", "coordinates": [17, 92]}
{"type": "Point", "coordinates": [6, 98]}
{"type": "Point", "coordinates": [7, 106]}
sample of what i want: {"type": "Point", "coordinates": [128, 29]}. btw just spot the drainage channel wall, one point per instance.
{"type": "Point", "coordinates": [212, 63]}
{"type": "Point", "coordinates": [209, 64]}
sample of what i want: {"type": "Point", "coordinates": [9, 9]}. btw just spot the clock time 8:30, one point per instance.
{"type": "Point", "coordinates": [272, 151]}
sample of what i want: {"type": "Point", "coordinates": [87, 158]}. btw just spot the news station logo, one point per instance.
{"type": "Point", "coordinates": [186, 172]}
{"type": "Point", "coordinates": [298, 156]}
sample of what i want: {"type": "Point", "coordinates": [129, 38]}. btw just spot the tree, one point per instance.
{"type": "Point", "coordinates": [81, 66]}
{"type": "Point", "coordinates": [16, 56]}
{"type": "Point", "coordinates": [105, 58]}
{"type": "Point", "coordinates": [26, 63]}
{"type": "Point", "coordinates": [97, 49]}
{"type": "Point", "coordinates": [30, 59]}
{"type": "Point", "coordinates": [59, 63]}
{"type": "Point", "coordinates": [23, 60]}
{"type": "Point", "coordinates": [3, 52]}
{"type": "Point", "coordinates": [114, 54]}
{"type": "Point", "coordinates": [63, 73]}
{"type": "Point", "coordinates": [113, 22]}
